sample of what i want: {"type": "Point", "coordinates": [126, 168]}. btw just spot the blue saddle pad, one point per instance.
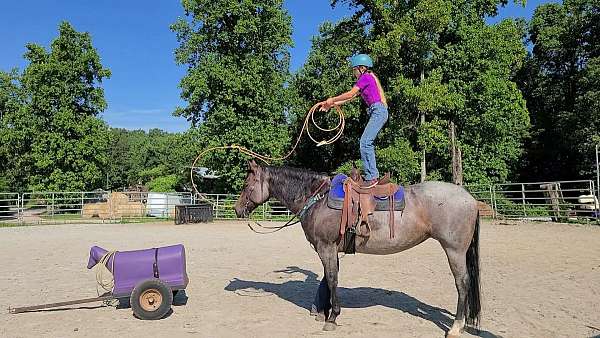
{"type": "Point", "coordinates": [336, 195]}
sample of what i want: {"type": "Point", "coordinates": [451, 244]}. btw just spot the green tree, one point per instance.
{"type": "Point", "coordinates": [437, 58]}
{"type": "Point", "coordinates": [11, 104]}
{"type": "Point", "coordinates": [562, 86]}
{"type": "Point", "coordinates": [238, 61]}
{"type": "Point", "coordinates": [166, 183]}
{"type": "Point", "coordinates": [54, 138]}
{"type": "Point", "coordinates": [139, 157]}
{"type": "Point", "coordinates": [327, 73]}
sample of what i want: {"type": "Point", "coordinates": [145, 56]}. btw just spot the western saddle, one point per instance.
{"type": "Point", "coordinates": [359, 201]}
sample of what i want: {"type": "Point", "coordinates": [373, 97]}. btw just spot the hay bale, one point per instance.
{"type": "Point", "coordinates": [117, 206]}
{"type": "Point", "coordinates": [485, 210]}
{"type": "Point", "coordinates": [123, 207]}
{"type": "Point", "coordinates": [91, 210]}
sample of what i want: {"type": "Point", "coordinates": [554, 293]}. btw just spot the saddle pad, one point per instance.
{"type": "Point", "coordinates": [335, 198]}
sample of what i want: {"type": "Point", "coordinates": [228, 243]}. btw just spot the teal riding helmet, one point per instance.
{"type": "Point", "coordinates": [361, 60]}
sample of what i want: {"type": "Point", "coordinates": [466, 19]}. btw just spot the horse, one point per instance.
{"type": "Point", "coordinates": [438, 210]}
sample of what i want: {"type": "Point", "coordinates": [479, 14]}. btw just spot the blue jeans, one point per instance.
{"type": "Point", "coordinates": [378, 115]}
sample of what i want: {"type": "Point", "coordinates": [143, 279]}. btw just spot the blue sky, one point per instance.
{"type": "Point", "coordinates": [135, 43]}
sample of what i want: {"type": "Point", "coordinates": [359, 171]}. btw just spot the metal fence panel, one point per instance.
{"type": "Point", "coordinates": [57, 207]}
{"type": "Point", "coordinates": [223, 204]}
{"type": "Point", "coordinates": [560, 201]}
{"type": "Point", "coordinates": [9, 207]}
{"type": "Point", "coordinates": [99, 206]}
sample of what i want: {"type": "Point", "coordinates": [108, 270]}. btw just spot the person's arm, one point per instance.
{"type": "Point", "coordinates": [339, 103]}
{"type": "Point", "coordinates": [349, 95]}
{"type": "Point", "coordinates": [340, 99]}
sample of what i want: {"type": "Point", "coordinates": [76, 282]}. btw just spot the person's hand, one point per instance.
{"type": "Point", "coordinates": [326, 105]}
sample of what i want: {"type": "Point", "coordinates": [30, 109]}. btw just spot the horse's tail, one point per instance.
{"type": "Point", "coordinates": [473, 302]}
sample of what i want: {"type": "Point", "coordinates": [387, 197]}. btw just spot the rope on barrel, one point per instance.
{"type": "Point", "coordinates": [105, 282]}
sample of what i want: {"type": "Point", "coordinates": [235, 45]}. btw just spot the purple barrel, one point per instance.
{"type": "Point", "coordinates": [133, 267]}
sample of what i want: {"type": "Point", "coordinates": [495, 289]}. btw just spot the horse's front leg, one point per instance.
{"type": "Point", "coordinates": [328, 254]}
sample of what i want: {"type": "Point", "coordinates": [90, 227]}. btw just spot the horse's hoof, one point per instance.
{"type": "Point", "coordinates": [329, 326]}
{"type": "Point", "coordinates": [320, 317]}
{"type": "Point", "coordinates": [454, 334]}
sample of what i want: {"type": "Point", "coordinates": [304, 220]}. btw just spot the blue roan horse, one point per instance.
{"type": "Point", "coordinates": [442, 211]}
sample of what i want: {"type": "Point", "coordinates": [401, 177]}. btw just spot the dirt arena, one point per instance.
{"type": "Point", "coordinates": [538, 280]}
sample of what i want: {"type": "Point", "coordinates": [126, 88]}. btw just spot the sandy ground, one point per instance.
{"type": "Point", "coordinates": [539, 280]}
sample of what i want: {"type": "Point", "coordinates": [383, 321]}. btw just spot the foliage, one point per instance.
{"type": "Point", "coordinates": [166, 183]}
{"type": "Point", "coordinates": [4, 187]}
{"type": "Point", "coordinates": [139, 157]}
{"type": "Point", "coordinates": [435, 58]}
{"type": "Point", "coordinates": [52, 139]}
{"type": "Point", "coordinates": [562, 85]}
{"type": "Point", "coordinates": [238, 59]}
{"type": "Point", "coordinates": [326, 73]}
{"type": "Point", "coordinates": [397, 159]}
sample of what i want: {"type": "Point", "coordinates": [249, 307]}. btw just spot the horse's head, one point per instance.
{"type": "Point", "coordinates": [255, 193]}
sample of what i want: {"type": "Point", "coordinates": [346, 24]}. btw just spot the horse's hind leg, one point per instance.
{"type": "Point", "coordinates": [458, 265]}
{"type": "Point", "coordinates": [328, 254]}
{"type": "Point", "coordinates": [321, 305]}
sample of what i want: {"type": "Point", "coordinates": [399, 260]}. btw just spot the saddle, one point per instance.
{"type": "Point", "coordinates": [359, 201]}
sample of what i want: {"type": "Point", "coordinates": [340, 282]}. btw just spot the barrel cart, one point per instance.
{"type": "Point", "coordinates": [149, 278]}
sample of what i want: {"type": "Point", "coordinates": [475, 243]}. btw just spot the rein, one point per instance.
{"type": "Point", "coordinates": [310, 201]}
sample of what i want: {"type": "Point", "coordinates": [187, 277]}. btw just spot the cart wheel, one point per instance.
{"type": "Point", "coordinates": [151, 299]}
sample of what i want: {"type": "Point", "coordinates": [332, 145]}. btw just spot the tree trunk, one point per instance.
{"type": "Point", "coordinates": [423, 168]}
{"type": "Point", "coordinates": [457, 173]}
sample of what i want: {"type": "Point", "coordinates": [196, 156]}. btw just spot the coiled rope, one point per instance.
{"type": "Point", "coordinates": [107, 283]}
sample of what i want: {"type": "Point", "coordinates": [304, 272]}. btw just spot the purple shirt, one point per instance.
{"type": "Point", "coordinates": [368, 88]}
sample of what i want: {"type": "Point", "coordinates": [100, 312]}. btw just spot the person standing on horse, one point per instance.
{"type": "Point", "coordinates": [370, 89]}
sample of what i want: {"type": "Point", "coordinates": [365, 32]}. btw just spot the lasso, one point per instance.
{"type": "Point", "coordinates": [305, 128]}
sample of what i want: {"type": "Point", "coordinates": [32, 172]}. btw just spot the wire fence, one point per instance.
{"type": "Point", "coordinates": [560, 201]}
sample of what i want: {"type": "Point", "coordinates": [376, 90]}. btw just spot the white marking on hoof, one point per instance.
{"type": "Point", "coordinates": [320, 317]}
{"type": "Point", "coordinates": [329, 326]}
{"type": "Point", "coordinates": [456, 329]}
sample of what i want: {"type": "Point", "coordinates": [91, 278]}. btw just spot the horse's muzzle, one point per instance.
{"type": "Point", "coordinates": [241, 211]}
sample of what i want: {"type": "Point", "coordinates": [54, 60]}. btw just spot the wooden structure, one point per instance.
{"type": "Point", "coordinates": [554, 197]}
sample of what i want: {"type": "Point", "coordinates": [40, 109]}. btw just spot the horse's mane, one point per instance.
{"type": "Point", "coordinates": [293, 183]}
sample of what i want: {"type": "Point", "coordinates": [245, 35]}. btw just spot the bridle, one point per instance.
{"type": "Point", "coordinates": [249, 193]}
{"type": "Point", "coordinates": [309, 202]}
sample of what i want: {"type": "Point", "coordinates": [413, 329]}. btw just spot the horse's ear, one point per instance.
{"type": "Point", "coordinates": [252, 165]}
